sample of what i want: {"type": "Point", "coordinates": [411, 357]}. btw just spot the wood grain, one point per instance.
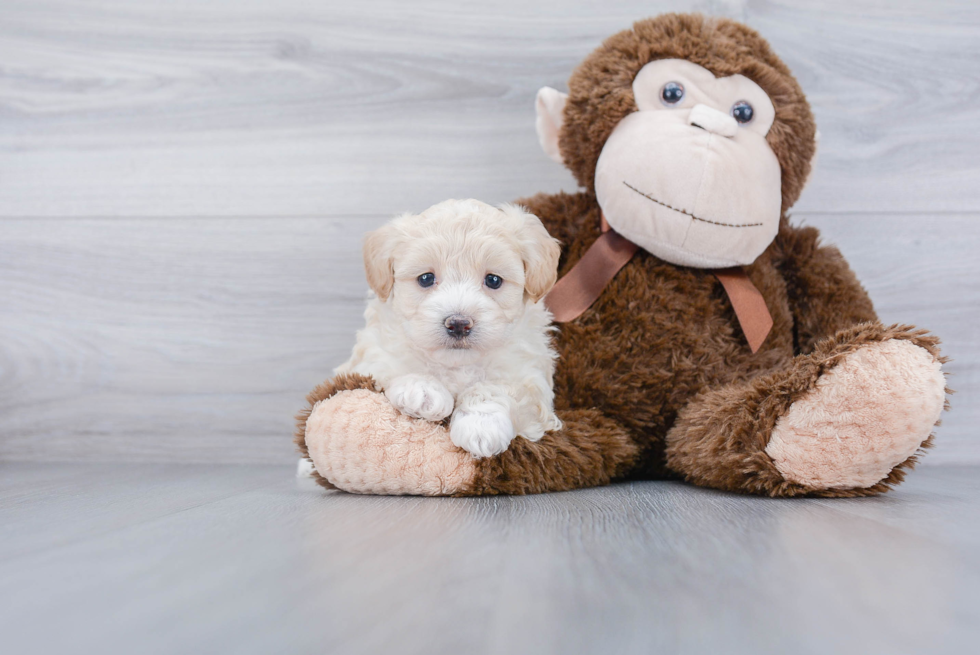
{"type": "Point", "coordinates": [196, 339]}
{"type": "Point", "coordinates": [246, 108]}
{"type": "Point", "coordinates": [175, 559]}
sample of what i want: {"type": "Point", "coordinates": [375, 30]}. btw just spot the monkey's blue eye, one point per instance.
{"type": "Point", "coordinates": [427, 279]}
{"type": "Point", "coordinates": [493, 281]}
{"type": "Point", "coordinates": [672, 93]}
{"type": "Point", "coordinates": [742, 111]}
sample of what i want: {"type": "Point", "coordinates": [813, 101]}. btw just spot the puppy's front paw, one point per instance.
{"type": "Point", "coordinates": [484, 431]}
{"type": "Point", "coordinates": [420, 396]}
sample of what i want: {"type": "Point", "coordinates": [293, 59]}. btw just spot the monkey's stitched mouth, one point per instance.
{"type": "Point", "coordinates": [687, 213]}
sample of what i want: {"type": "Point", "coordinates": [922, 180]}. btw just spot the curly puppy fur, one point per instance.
{"type": "Point", "coordinates": [495, 376]}
{"type": "Point", "coordinates": [656, 380]}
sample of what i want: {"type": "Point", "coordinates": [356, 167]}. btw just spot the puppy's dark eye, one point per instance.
{"type": "Point", "coordinates": [742, 111]}
{"type": "Point", "coordinates": [427, 279]}
{"type": "Point", "coordinates": [672, 93]}
{"type": "Point", "coordinates": [493, 281]}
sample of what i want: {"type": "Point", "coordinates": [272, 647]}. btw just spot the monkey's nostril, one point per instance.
{"type": "Point", "coordinates": [711, 120]}
{"type": "Point", "coordinates": [458, 326]}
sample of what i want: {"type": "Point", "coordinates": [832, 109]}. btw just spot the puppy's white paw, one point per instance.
{"type": "Point", "coordinates": [305, 468]}
{"type": "Point", "coordinates": [484, 431]}
{"type": "Point", "coordinates": [420, 396]}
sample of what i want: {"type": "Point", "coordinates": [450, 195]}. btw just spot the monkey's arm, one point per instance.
{"type": "Point", "coordinates": [824, 294]}
{"type": "Point", "coordinates": [361, 444]}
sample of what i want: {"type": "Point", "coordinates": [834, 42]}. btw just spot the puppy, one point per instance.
{"type": "Point", "coordinates": [456, 326]}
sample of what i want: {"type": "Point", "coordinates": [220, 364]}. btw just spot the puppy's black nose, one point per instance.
{"type": "Point", "coordinates": [458, 326]}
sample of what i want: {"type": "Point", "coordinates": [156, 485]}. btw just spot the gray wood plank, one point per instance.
{"type": "Point", "coordinates": [231, 108]}
{"type": "Point", "coordinates": [196, 339]}
{"type": "Point", "coordinates": [633, 568]}
{"type": "Point", "coordinates": [144, 337]}
{"type": "Point", "coordinates": [50, 506]}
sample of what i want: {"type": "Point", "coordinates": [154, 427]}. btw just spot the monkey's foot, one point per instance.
{"type": "Point", "coordinates": [861, 419]}
{"type": "Point", "coordinates": [361, 444]}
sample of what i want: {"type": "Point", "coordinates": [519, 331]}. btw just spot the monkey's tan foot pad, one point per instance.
{"type": "Point", "coordinates": [363, 445]}
{"type": "Point", "coordinates": [865, 416]}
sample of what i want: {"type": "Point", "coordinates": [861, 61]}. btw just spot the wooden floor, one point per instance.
{"type": "Point", "coordinates": [247, 559]}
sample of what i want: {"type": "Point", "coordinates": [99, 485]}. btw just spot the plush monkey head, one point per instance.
{"type": "Point", "coordinates": [693, 135]}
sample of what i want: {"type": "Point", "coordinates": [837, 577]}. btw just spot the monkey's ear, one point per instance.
{"type": "Point", "coordinates": [549, 107]}
{"type": "Point", "coordinates": [379, 260]}
{"type": "Point", "coordinates": [539, 250]}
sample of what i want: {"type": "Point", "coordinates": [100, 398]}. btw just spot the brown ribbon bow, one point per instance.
{"type": "Point", "coordinates": [577, 290]}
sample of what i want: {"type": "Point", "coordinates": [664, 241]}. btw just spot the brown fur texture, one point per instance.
{"type": "Point", "coordinates": [655, 380]}
{"type": "Point", "coordinates": [589, 451]}
{"type": "Point", "coordinates": [720, 437]}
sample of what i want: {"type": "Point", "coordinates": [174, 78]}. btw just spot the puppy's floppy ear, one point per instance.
{"type": "Point", "coordinates": [379, 259]}
{"type": "Point", "coordinates": [539, 251]}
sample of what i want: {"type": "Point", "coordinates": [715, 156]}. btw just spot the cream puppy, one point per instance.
{"type": "Point", "coordinates": [455, 325]}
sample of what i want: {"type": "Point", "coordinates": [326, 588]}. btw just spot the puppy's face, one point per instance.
{"type": "Point", "coordinates": [459, 275]}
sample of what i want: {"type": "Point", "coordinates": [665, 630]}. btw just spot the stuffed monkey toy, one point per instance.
{"type": "Point", "coordinates": [701, 336]}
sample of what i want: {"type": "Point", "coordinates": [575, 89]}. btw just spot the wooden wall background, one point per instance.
{"type": "Point", "coordinates": [184, 186]}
